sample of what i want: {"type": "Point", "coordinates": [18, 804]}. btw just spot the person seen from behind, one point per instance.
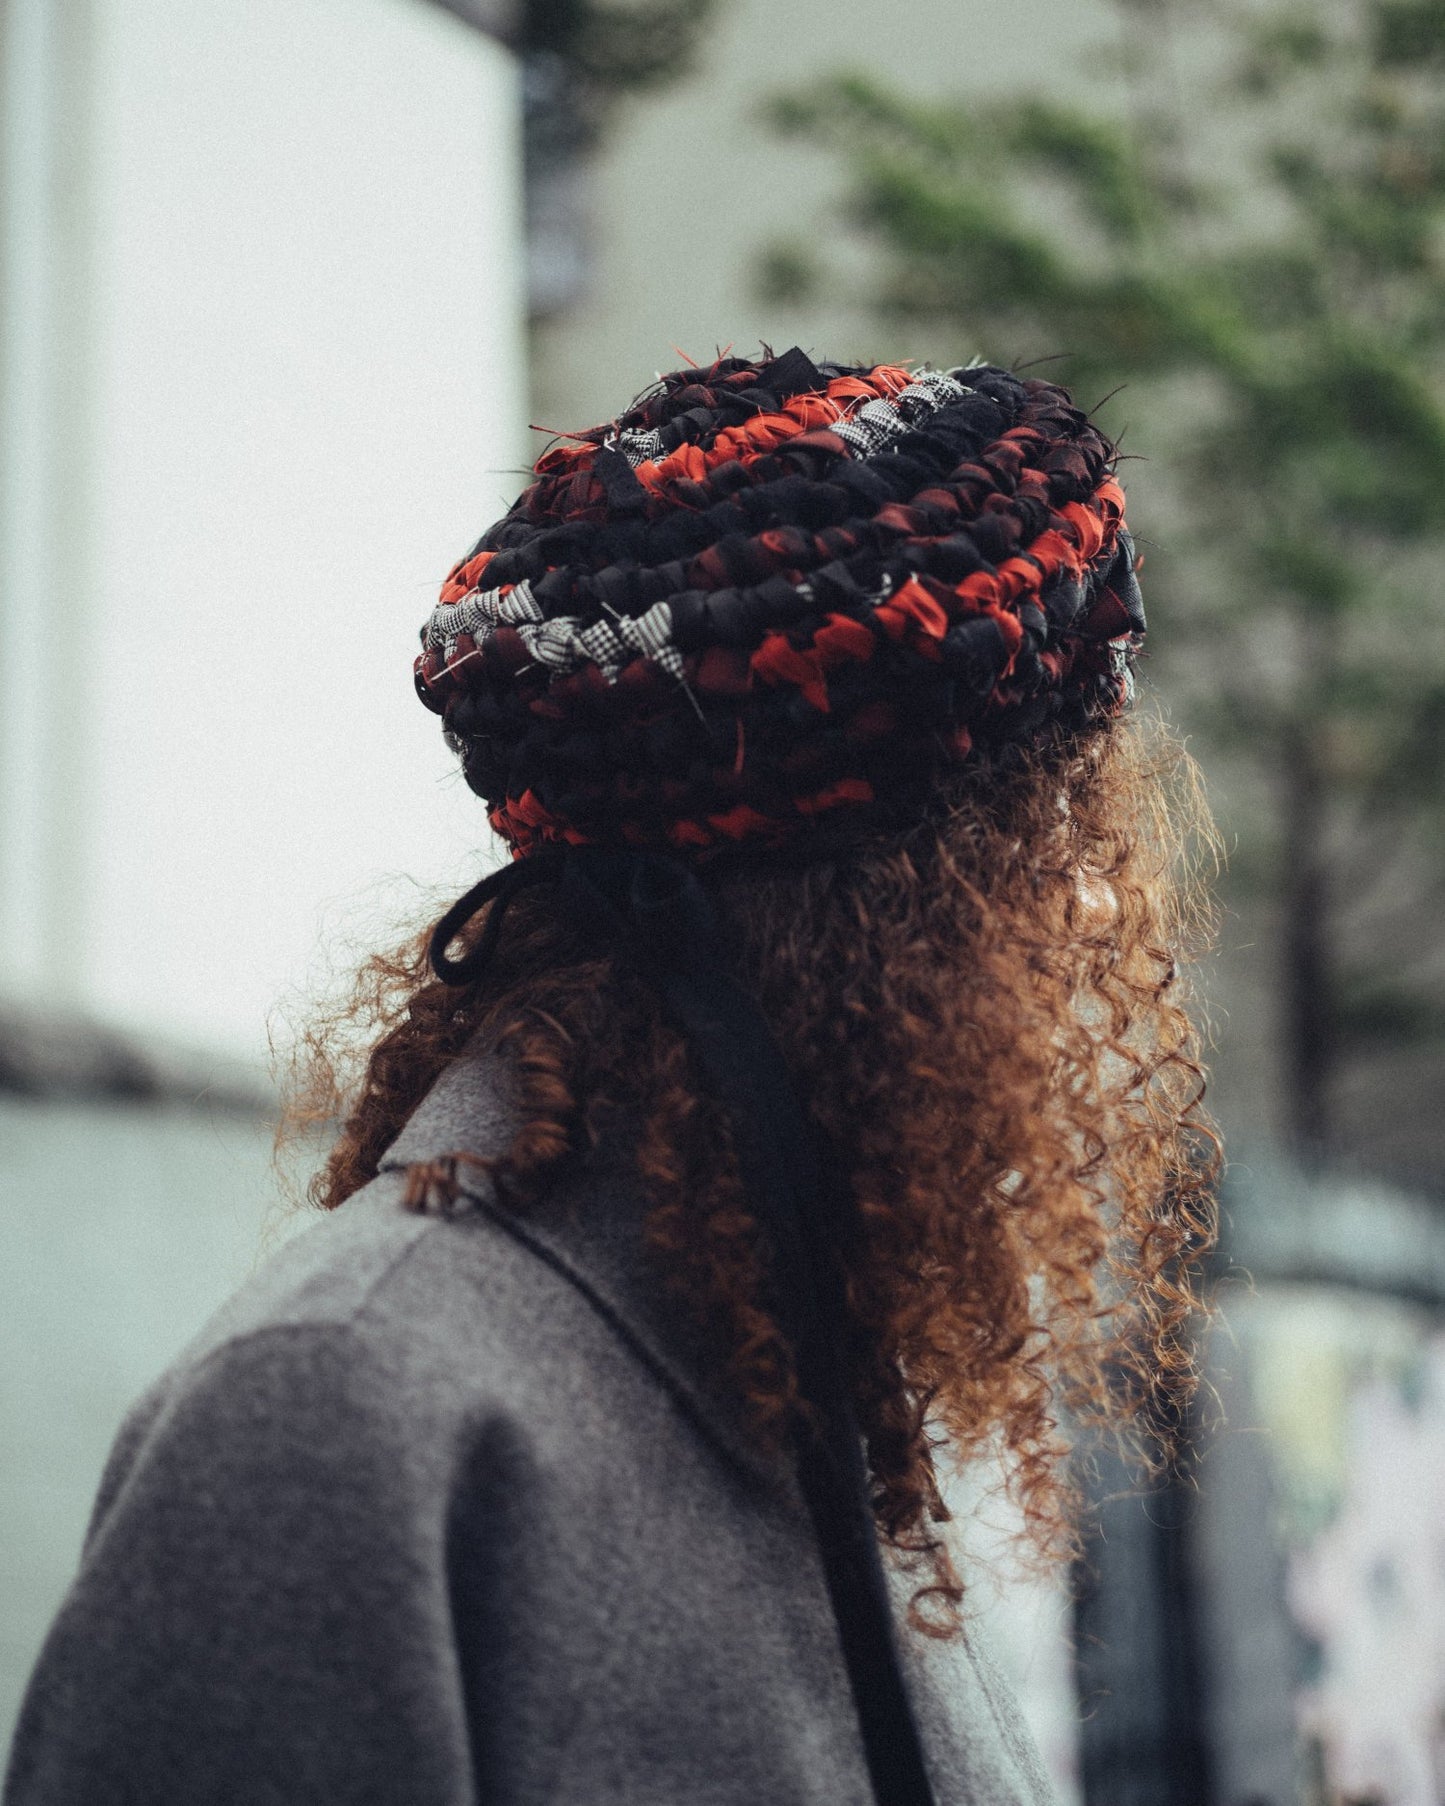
{"type": "Point", "coordinates": [808, 1105]}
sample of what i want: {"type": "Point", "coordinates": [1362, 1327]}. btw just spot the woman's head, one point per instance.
{"type": "Point", "coordinates": [869, 655]}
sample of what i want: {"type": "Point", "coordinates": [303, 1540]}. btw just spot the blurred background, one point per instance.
{"type": "Point", "coordinates": [282, 289]}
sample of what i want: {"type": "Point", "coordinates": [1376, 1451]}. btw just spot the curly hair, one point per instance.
{"type": "Point", "coordinates": [986, 1018]}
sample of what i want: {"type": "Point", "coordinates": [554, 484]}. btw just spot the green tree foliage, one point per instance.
{"type": "Point", "coordinates": [1252, 239]}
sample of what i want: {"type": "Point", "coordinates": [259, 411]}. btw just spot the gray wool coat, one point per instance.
{"type": "Point", "coordinates": [454, 1511]}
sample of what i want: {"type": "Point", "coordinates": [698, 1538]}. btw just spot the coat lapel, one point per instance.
{"type": "Point", "coordinates": [590, 1228]}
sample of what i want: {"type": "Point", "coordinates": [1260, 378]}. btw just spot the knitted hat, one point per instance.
{"type": "Point", "coordinates": [774, 595]}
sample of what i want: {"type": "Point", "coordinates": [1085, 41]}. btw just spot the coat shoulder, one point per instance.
{"type": "Point", "coordinates": [387, 1279]}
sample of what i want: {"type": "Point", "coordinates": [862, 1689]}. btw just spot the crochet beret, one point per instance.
{"type": "Point", "coordinates": [778, 594]}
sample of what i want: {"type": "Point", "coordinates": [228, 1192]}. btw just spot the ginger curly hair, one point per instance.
{"type": "Point", "coordinates": [987, 1021]}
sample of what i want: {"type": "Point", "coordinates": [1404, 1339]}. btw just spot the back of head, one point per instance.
{"type": "Point", "coordinates": [856, 644]}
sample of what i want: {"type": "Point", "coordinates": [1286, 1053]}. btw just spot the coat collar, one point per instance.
{"type": "Point", "coordinates": [590, 1228]}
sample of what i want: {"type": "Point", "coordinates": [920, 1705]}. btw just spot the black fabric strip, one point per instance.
{"type": "Point", "coordinates": [792, 373]}
{"type": "Point", "coordinates": [624, 492]}
{"type": "Point", "coordinates": [656, 908]}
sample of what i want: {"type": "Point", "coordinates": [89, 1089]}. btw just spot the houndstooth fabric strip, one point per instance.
{"type": "Point", "coordinates": [479, 614]}
{"type": "Point", "coordinates": [636, 447]}
{"type": "Point", "coordinates": [877, 423]}
{"type": "Point", "coordinates": [563, 644]}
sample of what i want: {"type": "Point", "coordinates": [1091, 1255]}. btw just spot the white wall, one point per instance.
{"type": "Point", "coordinates": [264, 383]}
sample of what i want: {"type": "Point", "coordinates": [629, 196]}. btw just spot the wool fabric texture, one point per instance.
{"type": "Point", "coordinates": [452, 1510]}
{"type": "Point", "coordinates": [775, 595]}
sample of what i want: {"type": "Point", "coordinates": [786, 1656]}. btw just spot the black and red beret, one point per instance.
{"type": "Point", "coordinates": [778, 594]}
